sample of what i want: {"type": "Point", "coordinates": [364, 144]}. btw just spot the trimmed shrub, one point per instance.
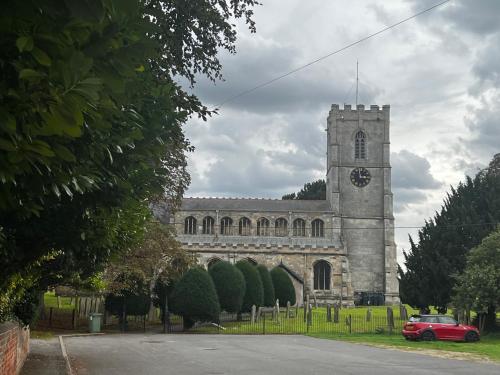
{"type": "Point", "coordinates": [283, 287]}
{"type": "Point", "coordinates": [254, 293]}
{"type": "Point", "coordinates": [267, 284]}
{"type": "Point", "coordinates": [194, 298]}
{"type": "Point", "coordinates": [230, 285]}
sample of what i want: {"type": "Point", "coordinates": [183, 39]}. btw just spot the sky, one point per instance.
{"type": "Point", "coordinates": [440, 73]}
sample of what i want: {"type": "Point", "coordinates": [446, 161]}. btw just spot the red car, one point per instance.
{"type": "Point", "coordinates": [438, 327]}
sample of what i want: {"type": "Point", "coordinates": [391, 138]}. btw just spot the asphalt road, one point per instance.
{"type": "Point", "coordinates": [191, 354]}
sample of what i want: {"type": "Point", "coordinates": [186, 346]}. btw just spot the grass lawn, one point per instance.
{"type": "Point", "coordinates": [488, 347]}
{"type": "Point", "coordinates": [50, 300]}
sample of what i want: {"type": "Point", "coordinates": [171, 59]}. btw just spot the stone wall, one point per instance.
{"type": "Point", "coordinates": [14, 348]}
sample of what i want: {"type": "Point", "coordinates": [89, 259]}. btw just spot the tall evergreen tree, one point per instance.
{"type": "Point", "coordinates": [315, 190]}
{"type": "Point", "coordinates": [469, 213]}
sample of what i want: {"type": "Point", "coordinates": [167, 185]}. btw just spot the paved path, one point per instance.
{"type": "Point", "coordinates": [153, 354]}
{"type": "Point", "coordinates": [45, 358]}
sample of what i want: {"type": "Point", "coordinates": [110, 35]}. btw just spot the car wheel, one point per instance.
{"type": "Point", "coordinates": [428, 336]}
{"type": "Point", "coordinates": [471, 336]}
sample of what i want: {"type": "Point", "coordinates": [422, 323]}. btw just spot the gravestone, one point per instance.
{"type": "Point", "coordinates": [254, 311]}
{"type": "Point", "coordinates": [369, 315]}
{"type": "Point", "coordinates": [403, 313]}
{"type": "Point", "coordinates": [390, 319]}
{"type": "Point", "coordinates": [328, 312]}
{"type": "Point", "coordinates": [336, 313]}
{"type": "Point", "coordinates": [259, 313]}
{"type": "Point", "coordinates": [288, 309]}
{"type": "Point", "coordinates": [309, 315]}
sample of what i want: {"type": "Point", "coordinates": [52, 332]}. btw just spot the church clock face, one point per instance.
{"type": "Point", "coordinates": [360, 177]}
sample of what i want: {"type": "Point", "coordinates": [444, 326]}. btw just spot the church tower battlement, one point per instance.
{"type": "Point", "coordinates": [359, 193]}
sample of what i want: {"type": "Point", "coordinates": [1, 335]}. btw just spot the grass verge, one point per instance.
{"type": "Point", "coordinates": [488, 347]}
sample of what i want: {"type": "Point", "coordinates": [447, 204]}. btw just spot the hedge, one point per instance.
{"type": "Point", "coordinates": [194, 298]}
{"type": "Point", "coordinates": [230, 285]}
{"type": "Point", "coordinates": [254, 293]}
{"type": "Point", "coordinates": [267, 284]}
{"type": "Point", "coordinates": [283, 287]}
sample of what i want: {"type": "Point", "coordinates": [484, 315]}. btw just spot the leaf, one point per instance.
{"type": "Point", "coordinates": [6, 145]}
{"type": "Point", "coordinates": [64, 153]}
{"type": "Point", "coordinates": [7, 122]}
{"type": "Point", "coordinates": [56, 190]}
{"type": "Point", "coordinates": [24, 43]}
{"type": "Point", "coordinates": [140, 68]}
{"type": "Point", "coordinates": [41, 57]}
{"type": "Point", "coordinates": [30, 74]}
{"type": "Point", "coordinates": [67, 190]}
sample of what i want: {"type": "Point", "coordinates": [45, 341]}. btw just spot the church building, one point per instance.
{"type": "Point", "coordinates": [334, 250]}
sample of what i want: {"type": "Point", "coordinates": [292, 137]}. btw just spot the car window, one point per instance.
{"type": "Point", "coordinates": [447, 320]}
{"type": "Point", "coordinates": [429, 319]}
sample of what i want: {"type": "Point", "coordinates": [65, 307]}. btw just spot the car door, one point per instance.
{"type": "Point", "coordinates": [435, 326]}
{"type": "Point", "coordinates": [447, 327]}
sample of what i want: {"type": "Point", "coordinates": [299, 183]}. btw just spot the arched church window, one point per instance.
{"type": "Point", "coordinates": [208, 225]}
{"type": "Point", "coordinates": [190, 225]}
{"type": "Point", "coordinates": [318, 228]}
{"type": "Point", "coordinates": [281, 227]}
{"type": "Point", "coordinates": [262, 227]}
{"type": "Point", "coordinates": [244, 226]}
{"type": "Point", "coordinates": [360, 145]}
{"type": "Point", "coordinates": [299, 228]}
{"type": "Point", "coordinates": [226, 226]}
{"type": "Point", "coordinates": [322, 275]}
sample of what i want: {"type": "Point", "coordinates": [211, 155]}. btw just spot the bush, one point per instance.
{"type": "Point", "coordinates": [254, 293]}
{"type": "Point", "coordinates": [194, 298]}
{"type": "Point", "coordinates": [267, 284]}
{"type": "Point", "coordinates": [283, 287]}
{"type": "Point", "coordinates": [230, 285]}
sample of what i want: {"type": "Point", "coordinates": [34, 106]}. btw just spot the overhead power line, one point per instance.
{"type": "Point", "coordinates": [266, 83]}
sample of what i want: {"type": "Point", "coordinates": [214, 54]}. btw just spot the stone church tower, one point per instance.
{"type": "Point", "coordinates": [359, 192]}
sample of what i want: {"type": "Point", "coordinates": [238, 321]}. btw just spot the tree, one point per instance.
{"type": "Point", "coordinates": [91, 125]}
{"type": "Point", "coordinates": [230, 285]}
{"type": "Point", "coordinates": [283, 286]}
{"type": "Point", "coordinates": [478, 287]}
{"type": "Point", "coordinates": [267, 284]}
{"type": "Point", "coordinates": [140, 271]}
{"type": "Point", "coordinates": [310, 191]}
{"type": "Point", "coordinates": [194, 298]}
{"type": "Point", "coordinates": [254, 293]}
{"type": "Point", "coordinates": [468, 215]}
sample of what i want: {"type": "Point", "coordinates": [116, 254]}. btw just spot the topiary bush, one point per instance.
{"type": "Point", "coordinates": [267, 284]}
{"type": "Point", "coordinates": [230, 285]}
{"type": "Point", "coordinates": [254, 293]}
{"type": "Point", "coordinates": [283, 287]}
{"type": "Point", "coordinates": [194, 298]}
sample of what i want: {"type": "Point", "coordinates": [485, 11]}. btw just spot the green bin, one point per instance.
{"type": "Point", "coordinates": [95, 322]}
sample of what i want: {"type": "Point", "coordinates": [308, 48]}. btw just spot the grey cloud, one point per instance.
{"type": "Point", "coordinates": [411, 171]}
{"type": "Point", "coordinates": [484, 125]}
{"type": "Point", "coordinates": [257, 156]}
{"type": "Point", "coordinates": [478, 17]}
{"type": "Point", "coordinates": [312, 88]}
{"type": "Point", "coordinates": [404, 197]}
{"type": "Point", "coordinates": [411, 176]}
{"type": "Point", "coordinates": [487, 65]}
